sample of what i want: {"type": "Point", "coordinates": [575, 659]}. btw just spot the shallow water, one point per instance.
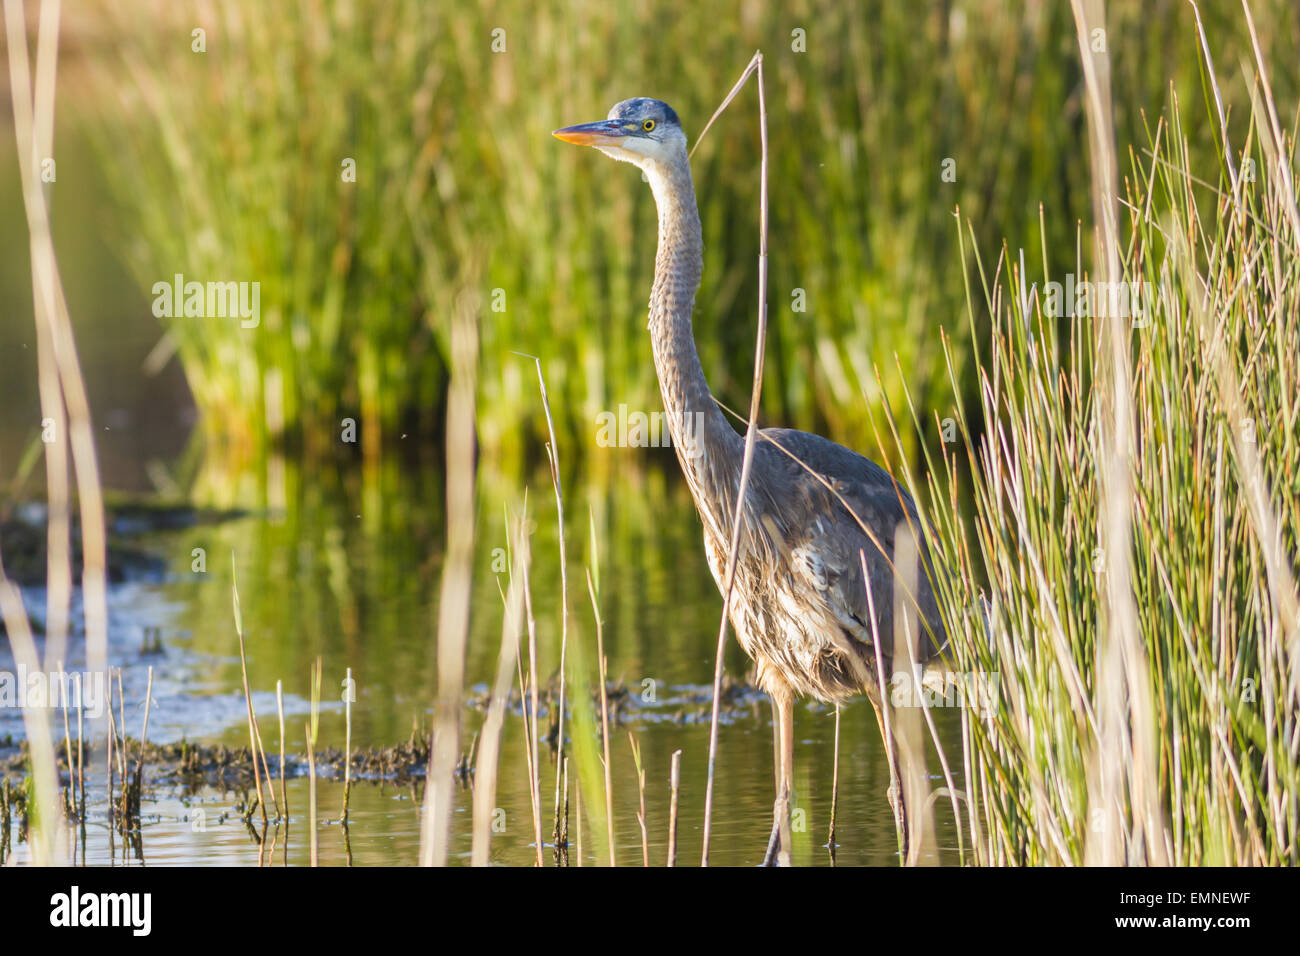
{"type": "Point", "coordinates": [346, 566]}
{"type": "Point", "coordinates": [203, 827]}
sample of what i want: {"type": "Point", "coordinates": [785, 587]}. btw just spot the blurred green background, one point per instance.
{"type": "Point", "coordinates": [228, 164]}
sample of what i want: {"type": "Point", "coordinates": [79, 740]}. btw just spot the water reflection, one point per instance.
{"type": "Point", "coordinates": [343, 563]}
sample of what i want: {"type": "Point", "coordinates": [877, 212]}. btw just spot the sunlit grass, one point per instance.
{"type": "Point", "coordinates": [228, 164]}
{"type": "Point", "coordinates": [1215, 528]}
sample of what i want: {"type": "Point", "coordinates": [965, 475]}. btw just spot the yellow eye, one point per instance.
{"type": "Point", "coordinates": [648, 125]}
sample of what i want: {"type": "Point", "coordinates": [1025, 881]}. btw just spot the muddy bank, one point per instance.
{"type": "Point", "coordinates": [189, 765]}
{"type": "Point", "coordinates": [24, 538]}
{"type": "Point", "coordinates": [686, 704]}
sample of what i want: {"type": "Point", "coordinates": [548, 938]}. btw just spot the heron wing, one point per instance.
{"type": "Point", "coordinates": [837, 510]}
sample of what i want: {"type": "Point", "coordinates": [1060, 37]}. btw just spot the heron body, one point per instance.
{"type": "Point", "coordinates": [812, 508]}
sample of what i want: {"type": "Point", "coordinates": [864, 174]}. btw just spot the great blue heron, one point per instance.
{"type": "Point", "coordinates": [800, 607]}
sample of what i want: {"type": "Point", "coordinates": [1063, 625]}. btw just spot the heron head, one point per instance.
{"type": "Point", "coordinates": [641, 131]}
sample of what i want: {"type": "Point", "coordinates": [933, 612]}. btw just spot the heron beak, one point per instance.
{"type": "Point", "coordinates": [604, 133]}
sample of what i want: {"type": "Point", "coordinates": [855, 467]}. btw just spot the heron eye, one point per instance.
{"type": "Point", "coordinates": [648, 125]}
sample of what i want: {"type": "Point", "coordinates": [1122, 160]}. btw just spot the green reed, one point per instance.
{"type": "Point", "coordinates": [228, 164]}
{"type": "Point", "coordinates": [1215, 526]}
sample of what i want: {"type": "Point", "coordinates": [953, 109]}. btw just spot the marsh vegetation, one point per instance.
{"type": "Point", "coordinates": [1116, 494]}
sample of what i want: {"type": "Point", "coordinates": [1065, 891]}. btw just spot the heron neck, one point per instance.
{"type": "Point", "coordinates": [709, 449]}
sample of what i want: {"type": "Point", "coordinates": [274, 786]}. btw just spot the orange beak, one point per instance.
{"type": "Point", "coordinates": [604, 133]}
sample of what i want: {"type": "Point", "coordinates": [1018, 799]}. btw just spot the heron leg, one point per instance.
{"type": "Point", "coordinates": [776, 746]}
{"type": "Point", "coordinates": [778, 844]}
{"type": "Point", "coordinates": [895, 791]}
